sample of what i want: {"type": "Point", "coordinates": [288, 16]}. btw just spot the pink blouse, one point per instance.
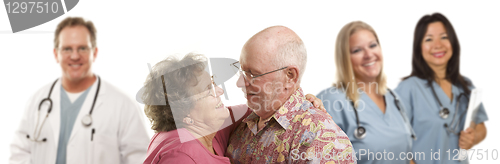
{"type": "Point", "coordinates": [166, 147]}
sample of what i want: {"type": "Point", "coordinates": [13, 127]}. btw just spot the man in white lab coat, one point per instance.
{"type": "Point", "coordinates": [89, 120]}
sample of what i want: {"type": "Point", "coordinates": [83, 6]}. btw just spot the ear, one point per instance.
{"type": "Point", "coordinates": [55, 55]}
{"type": "Point", "coordinates": [292, 76]}
{"type": "Point", "coordinates": [95, 53]}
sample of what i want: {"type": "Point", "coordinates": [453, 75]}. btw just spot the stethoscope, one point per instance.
{"type": "Point", "coordinates": [360, 131]}
{"type": "Point", "coordinates": [445, 112]}
{"type": "Point", "coordinates": [86, 120]}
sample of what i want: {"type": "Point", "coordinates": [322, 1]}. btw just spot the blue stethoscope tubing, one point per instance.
{"type": "Point", "coordinates": [86, 120]}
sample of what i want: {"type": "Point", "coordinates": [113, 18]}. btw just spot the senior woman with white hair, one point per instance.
{"type": "Point", "coordinates": [191, 123]}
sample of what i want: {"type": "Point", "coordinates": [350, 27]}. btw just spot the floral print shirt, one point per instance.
{"type": "Point", "coordinates": [296, 133]}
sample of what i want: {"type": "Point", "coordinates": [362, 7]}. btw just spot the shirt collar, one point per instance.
{"type": "Point", "coordinates": [284, 114]}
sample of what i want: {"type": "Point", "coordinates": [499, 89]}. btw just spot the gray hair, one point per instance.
{"type": "Point", "coordinates": [292, 52]}
{"type": "Point", "coordinates": [180, 77]}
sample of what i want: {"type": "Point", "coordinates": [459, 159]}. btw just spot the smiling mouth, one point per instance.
{"type": "Point", "coordinates": [75, 65]}
{"type": "Point", "coordinates": [219, 105]}
{"type": "Point", "coordinates": [369, 64]}
{"type": "Point", "coordinates": [439, 54]}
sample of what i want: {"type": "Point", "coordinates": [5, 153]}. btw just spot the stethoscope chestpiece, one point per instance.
{"type": "Point", "coordinates": [87, 120]}
{"type": "Point", "coordinates": [444, 113]}
{"type": "Point", "coordinates": [360, 132]}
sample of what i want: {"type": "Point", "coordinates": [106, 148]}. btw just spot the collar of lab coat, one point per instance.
{"type": "Point", "coordinates": [54, 116]}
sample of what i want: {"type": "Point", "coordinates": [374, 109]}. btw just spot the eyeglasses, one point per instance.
{"type": "Point", "coordinates": [248, 76]}
{"type": "Point", "coordinates": [211, 90]}
{"type": "Point", "coordinates": [79, 50]}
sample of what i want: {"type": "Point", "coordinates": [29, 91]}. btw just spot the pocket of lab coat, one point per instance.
{"type": "Point", "coordinates": [43, 152]}
{"type": "Point", "coordinates": [91, 152]}
{"type": "Point", "coordinates": [105, 149]}
{"type": "Point", "coordinates": [39, 155]}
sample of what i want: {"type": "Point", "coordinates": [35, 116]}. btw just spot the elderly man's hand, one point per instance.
{"type": "Point", "coordinates": [317, 103]}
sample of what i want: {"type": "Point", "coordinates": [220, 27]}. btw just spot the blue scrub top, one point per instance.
{"type": "Point", "coordinates": [69, 112]}
{"type": "Point", "coordinates": [384, 132]}
{"type": "Point", "coordinates": [436, 144]}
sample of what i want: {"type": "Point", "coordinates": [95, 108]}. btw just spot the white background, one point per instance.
{"type": "Point", "coordinates": [134, 33]}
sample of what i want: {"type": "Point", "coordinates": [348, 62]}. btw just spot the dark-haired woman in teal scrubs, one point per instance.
{"type": "Point", "coordinates": [437, 95]}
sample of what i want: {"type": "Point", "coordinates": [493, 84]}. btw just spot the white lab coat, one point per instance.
{"type": "Point", "coordinates": [120, 134]}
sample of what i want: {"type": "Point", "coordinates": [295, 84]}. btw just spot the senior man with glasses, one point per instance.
{"type": "Point", "coordinates": [283, 127]}
{"type": "Point", "coordinates": [79, 118]}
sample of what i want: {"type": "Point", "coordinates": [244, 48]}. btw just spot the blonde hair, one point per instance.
{"type": "Point", "coordinates": [345, 73]}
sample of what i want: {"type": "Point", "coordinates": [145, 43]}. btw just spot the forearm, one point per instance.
{"type": "Point", "coordinates": [480, 133]}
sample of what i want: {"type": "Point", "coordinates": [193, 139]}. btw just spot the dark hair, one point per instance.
{"type": "Point", "coordinates": [421, 69]}
{"type": "Point", "coordinates": [72, 22]}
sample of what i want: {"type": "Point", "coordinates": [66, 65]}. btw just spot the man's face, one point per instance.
{"type": "Point", "coordinates": [75, 53]}
{"type": "Point", "coordinates": [263, 94]}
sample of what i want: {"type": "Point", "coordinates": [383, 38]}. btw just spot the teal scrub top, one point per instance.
{"type": "Point", "coordinates": [387, 134]}
{"type": "Point", "coordinates": [435, 144]}
{"type": "Point", "coordinates": [69, 112]}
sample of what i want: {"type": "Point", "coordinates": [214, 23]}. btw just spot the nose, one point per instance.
{"type": "Point", "coordinates": [437, 44]}
{"type": "Point", "coordinates": [74, 55]}
{"type": "Point", "coordinates": [218, 91]}
{"type": "Point", "coordinates": [369, 53]}
{"type": "Point", "coordinates": [241, 81]}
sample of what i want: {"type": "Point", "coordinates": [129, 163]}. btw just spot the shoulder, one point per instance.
{"type": "Point", "coordinates": [115, 92]}
{"type": "Point", "coordinates": [36, 98]}
{"type": "Point", "coordinates": [44, 91]}
{"type": "Point", "coordinates": [408, 84]}
{"type": "Point", "coordinates": [322, 132]}
{"type": "Point", "coordinates": [332, 93]}
{"type": "Point", "coordinates": [468, 80]}
{"type": "Point", "coordinates": [334, 99]}
{"type": "Point", "coordinates": [114, 95]}
{"type": "Point", "coordinates": [314, 120]}
{"type": "Point", "coordinates": [411, 81]}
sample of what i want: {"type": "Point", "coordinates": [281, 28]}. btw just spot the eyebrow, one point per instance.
{"type": "Point", "coordinates": [439, 34]}
{"type": "Point", "coordinates": [252, 72]}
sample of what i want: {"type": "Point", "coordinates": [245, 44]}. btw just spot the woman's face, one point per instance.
{"type": "Point", "coordinates": [436, 47]}
{"type": "Point", "coordinates": [208, 108]}
{"type": "Point", "coordinates": [366, 55]}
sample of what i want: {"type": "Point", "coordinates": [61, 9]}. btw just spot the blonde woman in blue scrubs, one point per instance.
{"type": "Point", "coordinates": [437, 95]}
{"type": "Point", "coordinates": [377, 127]}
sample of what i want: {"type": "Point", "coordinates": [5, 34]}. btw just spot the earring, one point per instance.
{"type": "Point", "coordinates": [188, 120]}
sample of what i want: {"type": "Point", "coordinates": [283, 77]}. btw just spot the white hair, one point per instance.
{"type": "Point", "coordinates": [292, 52]}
